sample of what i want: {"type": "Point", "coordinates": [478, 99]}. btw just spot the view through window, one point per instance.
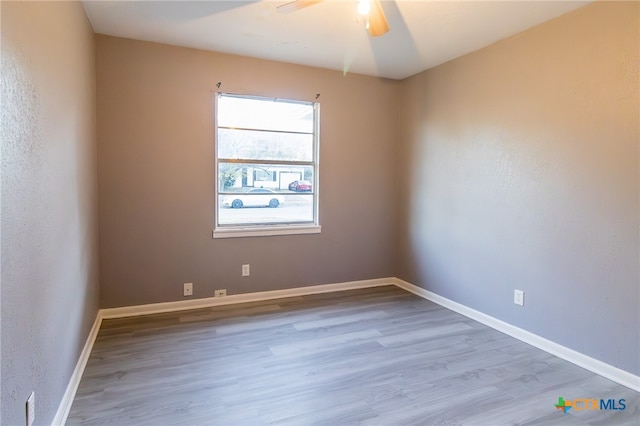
{"type": "Point", "coordinates": [266, 159]}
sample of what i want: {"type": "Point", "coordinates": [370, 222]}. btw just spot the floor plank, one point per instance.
{"type": "Point", "coordinates": [378, 356]}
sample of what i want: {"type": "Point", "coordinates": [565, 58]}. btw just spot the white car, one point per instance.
{"type": "Point", "coordinates": [256, 197]}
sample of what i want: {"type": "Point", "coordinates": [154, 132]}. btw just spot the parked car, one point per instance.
{"type": "Point", "coordinates": [300, 186]}
{"type": "Point", "coordinates": [256, 197]}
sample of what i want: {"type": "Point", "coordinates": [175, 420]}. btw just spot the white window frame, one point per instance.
{"type": "Point", "coordinates": [262, 230]}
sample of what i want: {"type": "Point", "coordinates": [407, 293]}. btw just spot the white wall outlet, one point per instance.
{"type": "Point", "coordinates": [31, 408]}
{"type": "Point", "coordinates": [220, 293]}
{"type": "Point", "coordinates": [246, 270]}
{"type": "Point", "coordinates": [518, 297]}
{"type": "Point", "coordinates": [187, 289]}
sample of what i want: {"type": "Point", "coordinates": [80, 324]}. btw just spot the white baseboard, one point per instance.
{"type": "Point", "coordinates": [598, 367]}
{"type": "Point", "coordinates": [67, 400]}
{"type": "Point", "coordinates": [182, 305]}
{"type": "Point", "coordinates": [70, 393]}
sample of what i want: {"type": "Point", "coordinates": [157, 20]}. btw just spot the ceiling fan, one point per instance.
{"type": "Point", "coordinates": [371, 9]}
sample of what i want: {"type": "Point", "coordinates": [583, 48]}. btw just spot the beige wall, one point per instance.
{"type": "Point", "coordinates": [519, 169]}
{"type": "Point", "coordinates": [49, 202]}
{"type": "Point", "coordinates": [156, 175]}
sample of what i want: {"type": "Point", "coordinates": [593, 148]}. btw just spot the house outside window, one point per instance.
{"type": "Point", "coordinates": [266, 166]}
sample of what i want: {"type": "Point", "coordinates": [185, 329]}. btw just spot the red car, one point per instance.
{"type": "Point", "coordinates": [300, 186]}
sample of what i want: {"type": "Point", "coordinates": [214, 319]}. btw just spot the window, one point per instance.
{"type": "Point", "coordinates": [266, 166]}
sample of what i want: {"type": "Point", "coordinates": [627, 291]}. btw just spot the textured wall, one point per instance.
{"type": "Point", "coordinates": [519, 169]}
{"type": "Point", "coordinates": [49, 201]}
{"type": "Point", "coordinates": [156, 175]}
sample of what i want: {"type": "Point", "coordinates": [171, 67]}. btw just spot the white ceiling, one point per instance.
{"type": "Point", "coordinates": [424, 33]}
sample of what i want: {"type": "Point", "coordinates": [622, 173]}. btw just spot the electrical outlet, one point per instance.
{"type": "Point", "coordinates": [31, 408]}
{"type": "Point", "coordinates": [518, 297]}
{"type": "Point", "coordinates": [246, 270]}
{"type": "Point", "coordinates": [187, 289]}
{"type": "Point", "coordinates": [220, 293]}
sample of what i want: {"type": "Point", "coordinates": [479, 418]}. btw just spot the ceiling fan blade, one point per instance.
{"type": "Point", "coordinates": [377, 21]}
{"type": "Point", "coordinates": [296, 5]}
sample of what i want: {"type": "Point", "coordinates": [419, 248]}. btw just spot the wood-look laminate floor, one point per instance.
{"type": "Point", "coordinates": [378, 356]}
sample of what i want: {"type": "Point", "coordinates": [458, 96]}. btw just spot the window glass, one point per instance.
{"type": "Point", "coordinates": [266, 161]}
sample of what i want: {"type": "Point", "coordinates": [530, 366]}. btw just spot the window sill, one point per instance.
{"type": "Point", "coordinates": [266, 231]}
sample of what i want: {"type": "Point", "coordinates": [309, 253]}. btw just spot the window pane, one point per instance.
{"type": "Point", "coordinates": [244, 177]}
{"type": "Point", "coordinates": [266, 162]}
{"type": "Point", "coordinates": [265, 114]}
{"type": "Point", "coordinates": [265, 208]}
{"type": "Point", "coordinates": [256, 145]}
